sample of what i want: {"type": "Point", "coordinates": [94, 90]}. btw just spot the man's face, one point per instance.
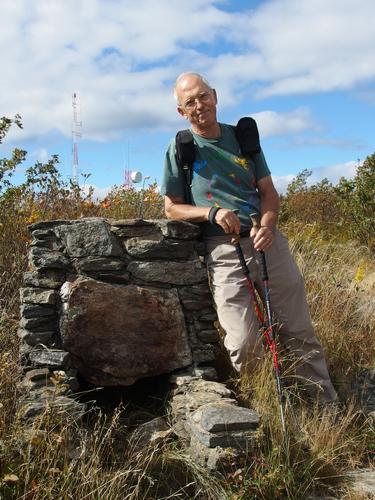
{"type": "Point", "coordinates": [197, 102]}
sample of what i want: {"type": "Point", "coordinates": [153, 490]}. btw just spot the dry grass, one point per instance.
{"type": "Point", "coordinates": [96, 460]}
{"type": "Point", "coordinates": [340, 303]}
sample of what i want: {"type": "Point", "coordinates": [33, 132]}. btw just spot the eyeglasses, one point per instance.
{"type": "Point", "coordinates": [192, 102]}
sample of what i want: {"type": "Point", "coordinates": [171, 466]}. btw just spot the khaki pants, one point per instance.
{"type": "Point", "coordinates": [288, 301]}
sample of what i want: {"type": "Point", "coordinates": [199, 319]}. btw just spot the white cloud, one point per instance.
{"type": "Point", "coordinates": [281, 182]}
{"type": "Point", "coordinates": [314, 46]}
{"type": "Point", "coordinates": [331, 172]}
{"type": "Point", "coordinates": [115, 54]}
{"type": "Point", "coordinates": [98, 193]}
{"type": "Point", "coordinates": [334, 172]}
{"type": "Point", "coordinates": [122, 56]}
{"type": "Point", "coordinates": [40, 155]}
{"type": "Point", "coordinates": [272, 123]}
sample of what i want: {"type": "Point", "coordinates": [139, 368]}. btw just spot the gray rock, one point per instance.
{"type": "Point", "coordinates": [36, 311]}
{"type": "Point", "coordinates": [44, 279]}
{"type": "Point", "coordinates": [206, 386]}
{"type": "Point", "coordinates": [41, 324]}
{"type": "Point", "coordinates": [371, 375]}
{"type": "Point", "coordinates": [242, 440]}
{"type": "Point", "coordinates": [110, 277]}
{"type": "Point", "coordinates": [128, 228]}
{"type": "Point", "coordinates": [200, 294]}
{"type": "Point", "coordinates": [42, 258]}
{"type": "Point", "coordinates": [206, 315]}
{"type": "Point", "coordinates": [89, 238]}
{"type": "Point", "coordinates": [43, 234]}
{"type": "Point", "coordinates": [37, 374]}
{"type": "Point", "coordinates": [65, 407]}
{"type": "Point", "coordinates": [37, 296]}
{"type": "Point", "coordinates": [196, 304]}
{"type": "Point", "coordinates": [46, 239]}
{"type": "Point", "coordinates": [182, 379]}
{"type": "Point", "coordinates": [35, 338]}
{"type": "Point", "coordinates": [53, 246]}
{"type": "Point", "coordinates": [223, 417]}
{"type": "Point", "coordinates": [35, 383]}
{"type": "Point", "coordinates": [24, 352]}
{"type": "Point", "coordinates": [217, 458]}
{"type": "Point", "coordinates": [205, 373]}
{"type": "Point", "coordinates": [151, 432]}
{"type": "Point", "coordinates": [98, 264]}
{"type": "Point", "coordinates": [208, 336]}
{"type": "Point", "coordinates": [194, 400]}
{"type": "Point", "coordinates": [175, 273]}
{"type": "Point", "coordinates": [47, 225]}
{"type": "Point", "coordinates": [204, 325]}
{"type": "Point", "coordinates": [52, 358]}
{"type": "Point", "coordinates": [203, 353]}
{"type": "Point", "coordinates": [178, 229]}
{"type": "Point", "coordinates": [156, 247]}
{"type": "Point", "coordinates": [363, 481]}
{"type": "Point", "coordinates": [32, 409]}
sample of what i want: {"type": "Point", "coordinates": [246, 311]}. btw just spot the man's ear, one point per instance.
{"type": "Point", "coordinates": [182, 112]}
{"type": "Point", "coordinates": [215, 95]}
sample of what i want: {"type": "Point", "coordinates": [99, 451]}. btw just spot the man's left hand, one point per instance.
{"type": "Point", "coordinates": [262, 237]}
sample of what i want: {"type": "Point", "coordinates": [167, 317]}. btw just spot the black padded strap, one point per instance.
{"type": "Point", "coordinates": [247, 135]}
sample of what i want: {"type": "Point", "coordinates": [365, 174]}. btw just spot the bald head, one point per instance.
{"type": "Point", "coordinates": [197, 101]}
{"type": "Point", "coordinates": [186, 80]}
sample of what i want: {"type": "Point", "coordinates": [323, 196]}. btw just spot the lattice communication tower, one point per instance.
{"type": "Point", "coordinates": [76, 134]}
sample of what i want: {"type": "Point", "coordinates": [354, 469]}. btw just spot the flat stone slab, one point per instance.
{"type": "Point", "coordinates": [238, 439]}
{"type": "Point", "coordinates": [175, 273]}
{"type": "Point", "coordinates": [157, 247]}
{"type": "Point", "coordinates": [89, 238]}
{"type": "Point", "coordinates": [37, 296]}
{"type": "Point", "coordinates": [35, 338]}
{"type": "Point", "coordinates": [51, 278]}
{"type": "Point", "coordinates": [51, 358]}
{"type": "Point", "coordinates": [222, 417]}
{"type": "Point", "coordinates": [363, 481]}
{"type": "Point", "coordinates": [42, 258]}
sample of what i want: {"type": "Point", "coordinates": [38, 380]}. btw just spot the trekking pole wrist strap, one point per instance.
{"type": "Point", "coordinates": [212, 214]}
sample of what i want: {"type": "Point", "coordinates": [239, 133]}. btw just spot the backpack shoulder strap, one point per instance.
{"type": "Point", "coordinates": [247, 135]}
{"type": "Point", "coordinates": [185, 156]}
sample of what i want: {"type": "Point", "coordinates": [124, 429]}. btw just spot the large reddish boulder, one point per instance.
{"type": "Point", "coordinates": [117, 334]}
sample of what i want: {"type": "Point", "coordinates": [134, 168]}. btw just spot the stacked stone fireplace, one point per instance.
{"type": "Point", "coordinates": [115, 301]}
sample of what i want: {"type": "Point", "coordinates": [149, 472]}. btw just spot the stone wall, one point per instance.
{"type": "Point", "coordinates": [117, 301]}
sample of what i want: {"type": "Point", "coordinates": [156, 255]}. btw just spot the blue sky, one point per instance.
{"type": "Point", "coordinates": [305, 69]}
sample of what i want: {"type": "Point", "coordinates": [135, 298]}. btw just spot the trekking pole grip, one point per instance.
{"type": "Point", "coordinates": [263, 266]}
{"type": "Point", "coordinates": [241, 258]}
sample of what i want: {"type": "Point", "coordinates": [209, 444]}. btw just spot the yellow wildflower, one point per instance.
{"type": "Point", "coordinates": [360, 273]}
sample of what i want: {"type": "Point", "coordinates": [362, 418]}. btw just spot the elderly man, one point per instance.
{"type": "Point", "coordinates": [226, 187]}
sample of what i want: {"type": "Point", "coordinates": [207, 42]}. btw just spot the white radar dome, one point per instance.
{"type": "Point", "coordinates": [136, 177]}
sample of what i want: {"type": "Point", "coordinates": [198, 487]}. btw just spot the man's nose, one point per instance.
{"type": "Point", "coordinates": [199, 104]}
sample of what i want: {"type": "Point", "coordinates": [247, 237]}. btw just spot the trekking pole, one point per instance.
{"type": "Point", "coordinates": [268, 328]}
{"type": "Point", "coordinates": [249, 284]}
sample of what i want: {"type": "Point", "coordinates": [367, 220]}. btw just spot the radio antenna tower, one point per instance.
{"type": "Point", "coordinates": [127, 173]}
{"type": "Point", "coordinates": [76, 134]}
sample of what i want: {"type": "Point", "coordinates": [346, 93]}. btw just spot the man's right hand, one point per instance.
{"type": "Point", "coordinates": [228, 220]}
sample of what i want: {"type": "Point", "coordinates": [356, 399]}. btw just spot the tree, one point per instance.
{"type": "Point", "coordinates": [8, 166]}
{"type": "Point", "coordinates": [356, 197]}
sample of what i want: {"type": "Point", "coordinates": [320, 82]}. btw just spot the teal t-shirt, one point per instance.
{"type": "Point", "coordinates": [221, 177]}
